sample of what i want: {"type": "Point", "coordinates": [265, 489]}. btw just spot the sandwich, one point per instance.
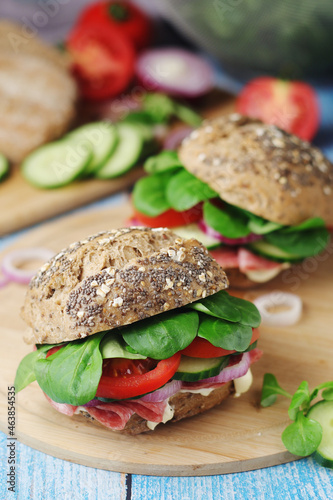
{"type": "Point", "coordinates": [259, 198]}
{"type": "Point", "coordinates": [133, 327]}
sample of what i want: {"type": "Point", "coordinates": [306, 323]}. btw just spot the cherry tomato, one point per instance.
{"type": "Point", "coordinates": [201, 348]}
{"type": "Point", "coordinates": [122, 379]}
{"type": "Point", "coordinates": [102, 63]}
{"type": "Point", "coordinates": [120, 16]}
{"type": "Point", "coordinates": [292, 106]}
{"type": "Point", "coordinates": [171, 218]}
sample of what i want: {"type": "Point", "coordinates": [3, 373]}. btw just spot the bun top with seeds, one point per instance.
{"type": "Point", "coordinates": [262, 169]}
{"type": "Point", "coordinates": [115, 278]}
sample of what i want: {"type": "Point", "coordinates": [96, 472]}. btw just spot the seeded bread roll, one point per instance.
{"type": "Point", "coordinates": [261, 168]}
{"type": "Point", "coordinates": [115, 278]}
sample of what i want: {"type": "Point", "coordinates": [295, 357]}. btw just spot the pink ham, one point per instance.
{"type": "Point", "coordinates": [248, 261]}
{"type": "Point", "coordinates": [226, 257]}
{"type": "Point", "coordinates": [116, 415]}
{"type": "Point", "coordinates": [62, 407]}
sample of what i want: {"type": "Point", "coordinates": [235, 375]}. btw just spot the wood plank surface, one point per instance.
{"type": "Point", "coordinates": [236, 436]}
{"type": "Point", "coordinates": [22, 205]}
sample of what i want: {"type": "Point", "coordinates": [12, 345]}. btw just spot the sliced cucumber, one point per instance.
{"type": "Point", "coordinates": [322, 412]}
{"type": "Point", "coordinates": [192, 369]}
{"type": "Point", "coordinates": [263, 228]}
{"type": "Point", "coordinates": [275, 253]}
{"type": "Point", "coordinates": [55, 164]}
{"type": "Point", "coordinates": [126, 154]}
{"type": "Point", "coordinates": [100, 137]}
{"type": "Point", "coordinates": [194, 231]}
{"type": "Point", "coordinates": [4, 166]}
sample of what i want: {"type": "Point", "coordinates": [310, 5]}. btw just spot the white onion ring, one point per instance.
{"type": "Point", "coordinates": [13, 259]}
{"type": "Point", "coordinates": [164, 393]}
{"type": "Point", "coordinates": [283, 318]}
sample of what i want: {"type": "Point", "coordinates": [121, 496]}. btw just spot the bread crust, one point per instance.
{"type": "Point", "coordinates": [261, 168]}
{"type": "Point", "coordinates": [37, 92]}
{"type": "Point", "coordinates": [115, 278]}
{"type": "Point", "coordinates": [184, 404]}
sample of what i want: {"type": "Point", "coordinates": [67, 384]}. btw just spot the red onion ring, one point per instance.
{"type": "Point", "coordinates": [13, 259]}
{"type": "Point", "coordinates": [174, 139]}
{"type": "Point", "coordinates": [175, 71]}
{"type": "Point", "coordinates": [164, 393]}
{"type": "Point", "coordinates": [223, 239]}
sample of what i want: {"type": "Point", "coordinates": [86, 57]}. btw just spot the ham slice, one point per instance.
{"type": "Point", "coordinates": [248, 261]}
{"type": "Point", "coordinates": [116, 415]}
{"type": "Point", "coordinates": [62, 407]}
{"type": "Point", "coordinates": [242, 259]}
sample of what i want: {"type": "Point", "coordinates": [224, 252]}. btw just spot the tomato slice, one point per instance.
{"type": "Point", "coordinates": [201, 348]}
{"type": "Point", "coordinates": [292, 106]}
{"type": "Point", "coordinates": [102, 63]}
{"type": "Point", "coordinates": [53, 350]}
{"type": "Point", "coordinates": [121, 382]}
{"type": "Point", "coordinates": [171, 218]}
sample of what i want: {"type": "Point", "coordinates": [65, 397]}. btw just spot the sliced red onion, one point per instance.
{"type": "Point", "coordinates": [92, 403]}
{"type": "Point", "coordinates": [12, 261]}
{"type": "Point", "coordinates": [177, 72]}
{"type": "Point", "coordinates": [228, 241]}
{"type": "Point", "coordinates": [174, 139]}
{"type": "Point", "coordinates": [4, 281]}
{"type": "Point", "coordinates": [164, 393]}
{"type": "Point", "coordinates": [229, 373]}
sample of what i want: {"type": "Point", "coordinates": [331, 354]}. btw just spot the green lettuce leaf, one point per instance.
{"type": "Point", "coordinates": [25, 373]}
{"type": "Point", "coordinates": [114, 346]}
{"type": "Point", "coordinates": [72, 374]}
{"type": "Point", "coordinates": [149, 194]}
{"type": "Point", "coordinates": [184, 190]}
{"type": "Point", "coordinates": [166, 160]}
{"type": "Point", "coordinates": [161, 336]}
{"type": "Point", "coordinates": [230, 222]}
{"type": "Point", "coordinates": [222, 333]}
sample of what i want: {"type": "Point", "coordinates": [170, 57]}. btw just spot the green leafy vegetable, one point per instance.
{"type": "Point", "coordinates": [184, 190]}
{"type": "Point", "coordinates": [304, 243]}
{"type": "Point", "coordinates": [114, 346]}
{"type": "Point", "coordinates": [222, 333]}
{"type": "Point", "coordinates": [162, 108]}
{"type": "Point", "coordinates": [71, 375]}
{"type": "Point", "coordinates": [299, 400]}
{"type": "Point", "coordinates": [270, 390]}
{"type": "Point", "coordinates": [230, 222]}
{"type": "Point", "coordinates": [25, 373]}
{"type": "Point", "coordinates": [225, 306]}
{"type": "Point", "coordinates": [304, 435]}
{"type": "Point", "coordinates": [161, 336]}
{"type": "Point", "coordinates": [166, 160]}
{"type": "Point", "coordinates": [149, 194]}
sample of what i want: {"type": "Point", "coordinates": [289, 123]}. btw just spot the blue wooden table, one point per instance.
{"type": "Point", "coordinates": [40, 476]}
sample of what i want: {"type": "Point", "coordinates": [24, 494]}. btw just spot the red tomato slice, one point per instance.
{"type": "Point", "coordinates": [102, 63]}
{"type": "Point", "coordinates": [139, 377]}
{"type": "Point", "coordinates": [53, 350]}
{"type": "Point", "coordinates": [171, 218]}
{"type": "Point", "coordinates": [292, 106]}
{"type": "Point", "coordinates": [201, 348]}
{"type": "Point", "coordinates": [120, 16]}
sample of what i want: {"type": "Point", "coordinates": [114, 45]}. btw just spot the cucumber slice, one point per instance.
{"type": "Point", "coordinates": [55, 165]}
{"type": "Point", "coordinates": [126, 154]}
{"type": "Point", "coordinates": [4, 166]}
{"type": "Point", "coordinates": [263, 228]}
{"type": "Point", "coordinates": [275, 253]}
{"type": "Point", "coordinates": [100, 137]}
{"type": "Point", "coordinates": [192, 369]}
{"type": "Point", "coordinates": [322, 412]}
{"type": "Point", "coordinates": [193, 231]}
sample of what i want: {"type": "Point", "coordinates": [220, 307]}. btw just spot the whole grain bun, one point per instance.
{"type": "Point", "coordinates": [184, 405]}
{"type": "Point", "coordinates": [37, 93]}
{"type": "Point", "coordinates": [261, 168]}
{"type": "Point", "coordinates": [115, 278]}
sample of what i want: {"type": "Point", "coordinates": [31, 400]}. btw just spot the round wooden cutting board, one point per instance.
{"type": "Point", "coordinates": [238, 435]}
